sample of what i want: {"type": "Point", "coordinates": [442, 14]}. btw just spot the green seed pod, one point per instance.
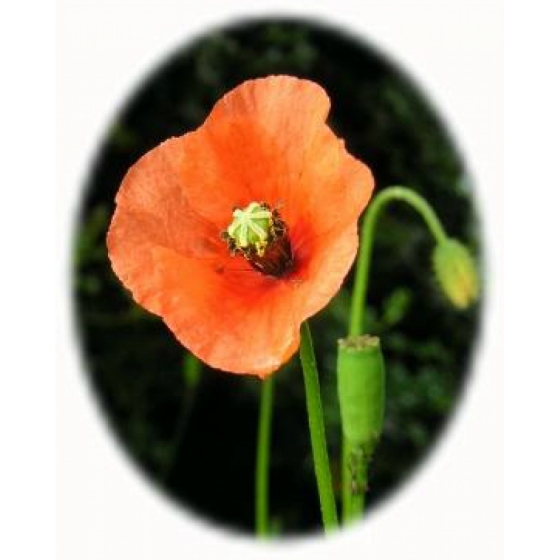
{"type": "Point", "coordinates": [361, 389]}
{"type": "Point", "coordinates": [251, 227]}
{"type": "Point", "coordinates": [456, 272]}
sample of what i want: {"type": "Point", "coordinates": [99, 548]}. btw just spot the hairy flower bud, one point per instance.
{"type": "Point", "coordinates": [456, 272]}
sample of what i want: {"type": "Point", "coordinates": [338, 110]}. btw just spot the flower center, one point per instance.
{"type": "Point", "coordinates": [259, 234]}
{"type": "Point", "coordinates": [250, 227]}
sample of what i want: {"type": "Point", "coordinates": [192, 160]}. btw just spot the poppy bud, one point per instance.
{"type": "Point", "coordinates": [456, 272]}
{"type": "Point", "coordinates": [361, 390]}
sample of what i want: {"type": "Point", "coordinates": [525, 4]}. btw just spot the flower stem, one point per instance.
{"type": "Point", "coordinates": [317, 430]}
{"type": "Point", "coordinates": [367, 238]}
{"type": "Point", "coordinates": [263, 457]}
{"type": "Point", "coordinates": [354, 483]}
{"type": "Point", "coordinates": [353, 498]}
{"type": "Point", "coordinates": [192, 372]}
{"type": "Point", "coordinates": [346, 481]}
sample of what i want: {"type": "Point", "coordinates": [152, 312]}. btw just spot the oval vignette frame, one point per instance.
{"type": "Point", "coordinates": [165, 420]}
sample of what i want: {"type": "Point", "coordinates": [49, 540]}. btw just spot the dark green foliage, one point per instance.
{"type": "Point", "coordinates": [194, 432]}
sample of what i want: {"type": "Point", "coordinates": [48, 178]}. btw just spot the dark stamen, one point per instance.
{"type": "Point", "coordinates": [271, 256]}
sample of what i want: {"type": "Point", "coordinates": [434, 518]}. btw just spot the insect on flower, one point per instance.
{"type": "Point", "coordinates": [238, 232]}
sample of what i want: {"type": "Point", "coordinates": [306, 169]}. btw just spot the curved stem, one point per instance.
{"type": "Point", "coordinates": [353, 498]}
{"type": "Point", "coordinates": [317, 430]}
{"type": "Point", "coordinates": [367, 238]}
{"type": "Point", "coordinates": [263, 457]}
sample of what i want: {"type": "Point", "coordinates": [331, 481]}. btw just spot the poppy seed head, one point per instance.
{"type": "Point", "coordinates": [250, 228]}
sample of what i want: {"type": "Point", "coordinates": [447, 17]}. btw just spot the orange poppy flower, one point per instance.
{"type": "Point", "coordinates": [239, 231]}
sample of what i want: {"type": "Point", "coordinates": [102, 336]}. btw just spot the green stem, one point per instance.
{"type": "Point", "coordinates": [353, 499]}
{"type": "Point", "coordinates": [356, 497]}
{"type": "Point", "coordinates": [317, 430]}
{"type": "Point", "coordinates": [367, 238]}
{"type": "Point", "coordinates": [346, 481]}
{"type": "Point", "coordinates": [192, 372]}
{"type": "Point", "coordinates": [263, 457]}
{"type": "Point", "coordinates": [354, 478]}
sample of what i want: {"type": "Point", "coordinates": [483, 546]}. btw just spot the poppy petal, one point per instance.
{"type": "Point", "coordinates": [289, 109]}
{"type": "Point", "coordinates": [333, 188]}
{"type": "Point", "coordinates": [249, 330]}
{"type": "Point", "coordinates": [267, 141]}
{"type": "Point", "coordinates": [324, 263]}
{"type": "Point", "coordinates": [152, 211]}
{"type": "Point", "coordinates": [258, 135]}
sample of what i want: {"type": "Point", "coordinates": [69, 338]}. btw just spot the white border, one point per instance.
{"type": "Point", "coordinates": [453, 507]}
